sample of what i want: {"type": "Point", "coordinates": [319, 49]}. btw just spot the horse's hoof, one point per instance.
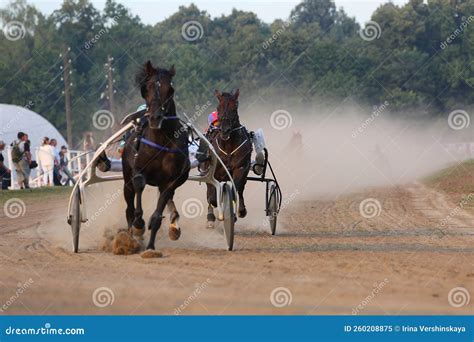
{"type": "Point", "coordinates": [174, 233]}
{"type": "Point", "coordinates": [243, 212]}
{"type": "Point", "coordinates": [151, 253]}
{"type": "Point", "coordinates": [210, 225]}
{"type": "Point", "coordinates": [138, 232]}
{"type": "Point", "coordinates": [138, 223]}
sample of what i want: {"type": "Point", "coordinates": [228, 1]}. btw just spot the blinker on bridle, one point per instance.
{"type": "Point", "coordinates": [162, 118]}
{"type": "Point", "coordinates": [159, 85]}
{"type": "Point", "coordinates": [225, 115]}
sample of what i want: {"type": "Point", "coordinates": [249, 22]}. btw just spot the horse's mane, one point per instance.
{"type": "Point", "coordinates": [142, 77]}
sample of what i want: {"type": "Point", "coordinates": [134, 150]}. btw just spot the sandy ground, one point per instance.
{"type": "Point", "coordinates": [328, 258]}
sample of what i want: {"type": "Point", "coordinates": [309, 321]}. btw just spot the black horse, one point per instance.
{"type": "Point", "coordinates": [155, 154]}
{"type": "Point", "coordinates": [233, 144]}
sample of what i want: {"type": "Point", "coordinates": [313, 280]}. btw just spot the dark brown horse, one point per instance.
{"type": "Point", "coordinates": [162, 156]}
{"type": "Point", "coordinates": [233, 145]}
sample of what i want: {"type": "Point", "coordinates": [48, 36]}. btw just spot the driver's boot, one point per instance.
{"type": "Point", "coordinates": [202, 156]}
{"type": "Point", "coordinates": [202, 153]}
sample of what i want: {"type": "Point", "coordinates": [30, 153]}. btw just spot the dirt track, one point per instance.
{"type": "Point", "coordinates": [326, 254]}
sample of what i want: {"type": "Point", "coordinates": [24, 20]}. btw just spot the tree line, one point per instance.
{"type": "Point", "coordinates": [417, 57]}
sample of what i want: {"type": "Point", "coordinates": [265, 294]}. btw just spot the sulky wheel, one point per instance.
{"type": "Point", "coordinates": [273, 207]}
{"type": "Point", "coordinates": [76, 219]}
{"type": "Point", "coordinates": [229, 215]}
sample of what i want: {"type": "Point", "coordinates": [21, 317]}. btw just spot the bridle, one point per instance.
{"type": "Point", "coordinates": [225, 116]}
{"type": "Point", "coordinates": [163, 116]}
{"type": "Point", "coordinates": [163, 107]}
{"type": "Point", "coordinates": [168, 100]}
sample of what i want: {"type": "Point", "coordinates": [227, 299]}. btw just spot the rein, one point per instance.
{"type": "Point", "coordinates": [164, 117]}
{"type": "Point", "coordinates": [160, 147]}
{"type": "Point", "coordinates": [232, 130]}
{"type": "Point", "coordinates": [225, 117]}
{"type": "Point", "coordinates": [164, 107]}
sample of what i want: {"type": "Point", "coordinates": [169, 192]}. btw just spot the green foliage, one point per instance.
{"type": "Point", "coordinates": [316, 53]}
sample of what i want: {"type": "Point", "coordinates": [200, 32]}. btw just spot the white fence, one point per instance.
{"type": "Point", "coordinates": [77, 161]}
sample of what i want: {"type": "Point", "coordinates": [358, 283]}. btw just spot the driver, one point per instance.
{"type": "Point", "coordinates": [213, 123]}
{"type": "Point", "coordinates": [139, 129]}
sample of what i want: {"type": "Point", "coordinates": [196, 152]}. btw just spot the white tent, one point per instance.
{"type": "Point", "coordinates": [14, 119]}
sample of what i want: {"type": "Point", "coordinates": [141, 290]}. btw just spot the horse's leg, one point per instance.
{"type": "Point", "coordinates": [157, 217]}
{"type": "Point", "coordinates": [174, 231]}
{"type": "Point", "coordinates": [129, 194]}
{"type": "Point", "coordinates": [240, 179]}
{"type": "Point", "coordinates": [138, 222]}
{"type": "Point", "coordinates": [211, 218]}
{"type": "Point", "coordinates": [212, 202]}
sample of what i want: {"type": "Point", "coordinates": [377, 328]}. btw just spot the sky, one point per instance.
{"type": "Point", "coordinates": [152, 11]}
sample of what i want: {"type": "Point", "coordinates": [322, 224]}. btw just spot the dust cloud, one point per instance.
{"type": "Point", "coordinates": [319, 152]}
{"type": "Point", "coordinates": [315, 152]}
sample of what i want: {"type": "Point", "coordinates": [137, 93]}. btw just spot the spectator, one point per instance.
{"type": "Point", "coordinates": [89, 144]}
{"type": "Point", "coordinates": [63, 166]}
{"type": "Point", "coordinates": [21, 158]}
{"type": "Point", "coordinates": [29, 157]}
{"type": "Point", "coordinates": [54, 143]}
{"type": "Point", "coordinates": [27, 149]}
{"type": "Point", "coordinates": [46, 161]}
{"type": "Point", "coordinates": [5, 172]}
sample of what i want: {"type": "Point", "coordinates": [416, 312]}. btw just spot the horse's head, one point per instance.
{"type": "Point", "coordinates": [227, 112]}
{"type": "Point", "coordinates": [156, 87]}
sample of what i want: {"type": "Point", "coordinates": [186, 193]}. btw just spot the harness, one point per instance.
{"type": "Point", "coordinates": [163, 118]}
{"type": "Point", "coordinates": [160, 147]}
{"type": "Point", "coordinates": [237, 148]}
{"type": "Point", "coordinates": [225, 117]}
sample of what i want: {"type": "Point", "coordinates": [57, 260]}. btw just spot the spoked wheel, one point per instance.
{"type": "Point", "coordinates": [229, 215]}
{"type": "Point", "coordinates": [76, 220]}
{"type": "Point", "coordinates": [272, 207]}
